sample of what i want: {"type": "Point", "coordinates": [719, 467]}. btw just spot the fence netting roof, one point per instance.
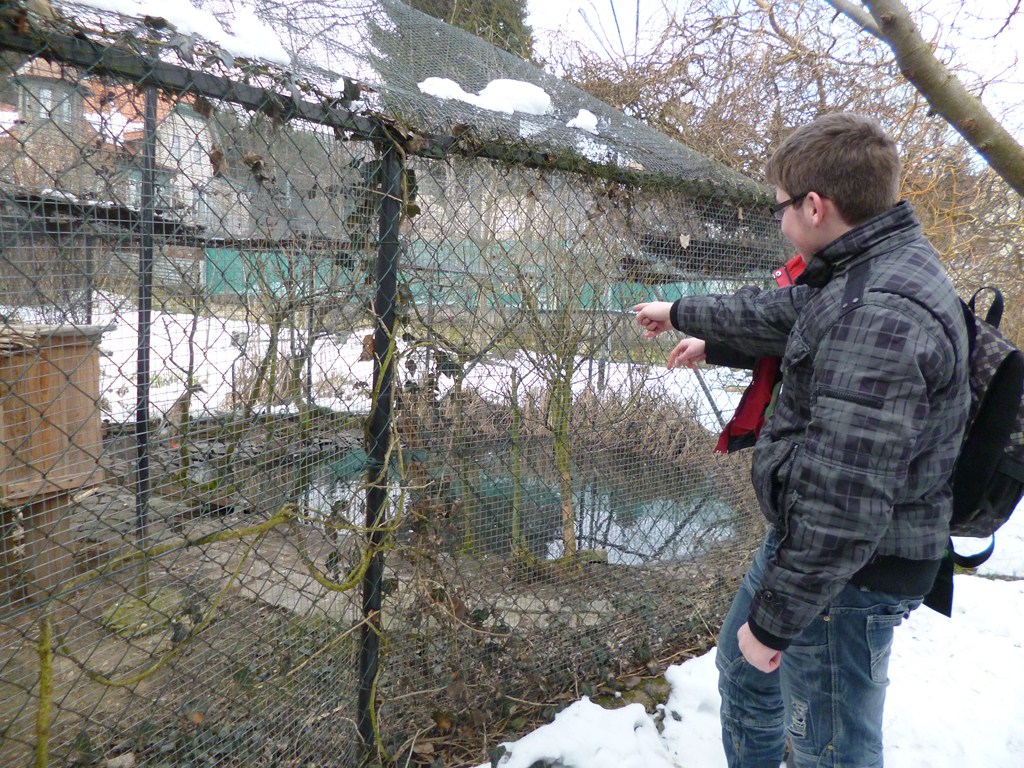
{"type": "Point", "coordinates": [371, 56]}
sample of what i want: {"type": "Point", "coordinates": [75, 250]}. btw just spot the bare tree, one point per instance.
{"type": "Point", "coordinates": [732, 83]}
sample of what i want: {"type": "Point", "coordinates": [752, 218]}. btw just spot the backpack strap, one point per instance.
{"type": "Point", "coordinates": [995, 311]}
{"type": "Point", "coordinates": [853, 293]}
{"type": "Point", "coordinates": [940, 597]}
{"type": "Point", "coordinates": [978, 558]}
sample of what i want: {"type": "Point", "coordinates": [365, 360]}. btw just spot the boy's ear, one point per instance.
{"type": "Point", "coordinates": [822, 209]}
{"type": "Point", "coordinates": [824, 213]}
{"type": "Point", "coordinates": [816, 206]}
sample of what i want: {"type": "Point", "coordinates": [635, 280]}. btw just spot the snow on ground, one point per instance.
{"type": "Point", "coordinates": [954, 700]}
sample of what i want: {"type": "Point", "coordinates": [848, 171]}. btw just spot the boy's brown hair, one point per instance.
{"type": "Point", "coordinates": [844, 157]}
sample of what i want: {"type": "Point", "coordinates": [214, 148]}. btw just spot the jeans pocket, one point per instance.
{"type": "Point", "coordinates": [879, 637]}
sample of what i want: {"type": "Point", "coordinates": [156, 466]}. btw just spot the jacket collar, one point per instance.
{"type": "Point", "coordinates": [886, 230]}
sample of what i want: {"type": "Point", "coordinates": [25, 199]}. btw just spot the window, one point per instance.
{"type": "Point", "coordinates": [45, 101]}
{"type": "Point", "coordinates": [174, 150]}
{"type": "Point", "coordinates": [133, 189]}
{"type": "Point", "coordinates": [64, 109]}
{"type": "Point", "coordinates": [48, 103]}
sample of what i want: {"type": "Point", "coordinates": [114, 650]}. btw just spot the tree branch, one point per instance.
{"type": "Point", "coordinates": [1009, 18]}
{"type": "Point", "coordinates": [945, 94]}
{"type": "Point", "coordinates": [858, 16]}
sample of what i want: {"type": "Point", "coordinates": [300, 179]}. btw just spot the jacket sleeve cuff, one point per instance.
{"type": "Point", "coordinates": [672, 315]}
{"type": "Point", "coordinates": [717, 353]}
{"type": "Point", "coordinates": [767, 638]}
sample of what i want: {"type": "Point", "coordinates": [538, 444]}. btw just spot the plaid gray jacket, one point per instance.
{"type": "Point", "coordinates": [855, 460]}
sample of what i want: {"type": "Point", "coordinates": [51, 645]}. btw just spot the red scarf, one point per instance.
{"type": "Point", "coordinates": [748, 419]}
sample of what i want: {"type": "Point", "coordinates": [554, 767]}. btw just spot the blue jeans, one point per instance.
{"type": "Point", "coordinates": [827, 696]}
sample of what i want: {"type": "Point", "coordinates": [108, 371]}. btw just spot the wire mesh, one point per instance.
{"type": "Point", "coordinates": [319, 444]}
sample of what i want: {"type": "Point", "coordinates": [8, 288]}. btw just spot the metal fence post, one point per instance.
{"type": "Point", "coordinates": [146, 249]}
{"type": "Point", "coordinates": [378, 435]}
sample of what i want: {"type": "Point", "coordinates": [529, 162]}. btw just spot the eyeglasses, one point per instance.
{"type": "Point", "coordinates": [779, 209]}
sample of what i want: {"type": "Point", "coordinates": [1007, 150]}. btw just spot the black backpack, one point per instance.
{"type": "Point", "coordinates": [988, 480]}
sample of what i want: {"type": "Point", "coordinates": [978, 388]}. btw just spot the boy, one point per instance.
{"type": "Point", "coordinates": [852, 468]}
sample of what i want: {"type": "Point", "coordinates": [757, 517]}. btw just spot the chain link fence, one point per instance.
{"type": "Point", "coordinates": [326, 435]}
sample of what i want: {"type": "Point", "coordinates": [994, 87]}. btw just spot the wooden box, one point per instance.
{"type": "Point", "coordinates": [50, 433]}
{"type": "Point", "coordinates": [50, 445]}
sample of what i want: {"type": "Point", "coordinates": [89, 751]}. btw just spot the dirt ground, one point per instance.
{"type": "Point", "coordinates": [243, 650]}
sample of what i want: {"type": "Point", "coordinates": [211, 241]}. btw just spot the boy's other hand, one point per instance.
{"type": "Point", "coordinates": [687, 352]}
{"type": "Point", "coordinates": [757, 654]}
{"type": "Point", "coordinates": [654, 317]}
